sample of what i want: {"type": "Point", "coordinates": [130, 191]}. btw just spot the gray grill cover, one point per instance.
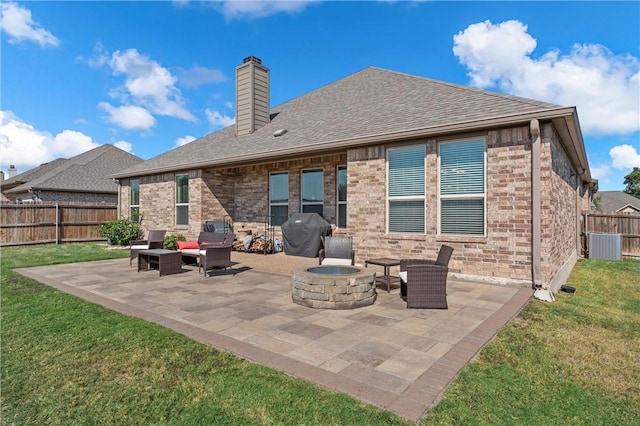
{"type": "Point", "coordinates": [302, 234]}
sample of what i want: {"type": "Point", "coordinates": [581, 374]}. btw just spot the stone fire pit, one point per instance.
{"type": "Point", "coordinates": [333, 287]}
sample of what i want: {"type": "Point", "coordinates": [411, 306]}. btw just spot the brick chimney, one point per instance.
{"type": "Point", "coordinates": [12, 171]}
{"type": "Point", "coordinates": [1, 176]}
{"type": "Point", "coordinates": [252, 96]}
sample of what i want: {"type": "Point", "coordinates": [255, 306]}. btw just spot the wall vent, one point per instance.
{"type": "Point", "coordinates": [605, 246]}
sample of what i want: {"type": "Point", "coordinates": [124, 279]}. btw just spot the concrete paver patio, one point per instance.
{"type": "Point", "coordinates": [392, 357]}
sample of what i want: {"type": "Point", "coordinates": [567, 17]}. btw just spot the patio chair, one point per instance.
{"type": "Point", "coordinates": [154, 241]}
{"type": "Point", "coordinates": [424, 282]}
{"type": "Point", "coordinates": [215, 256]}
{"type": "Point", "coordinates": [192, 254]}
{"type": "Point", "coordinates": [337, 251]}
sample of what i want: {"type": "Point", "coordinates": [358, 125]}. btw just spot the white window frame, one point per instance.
{"type": "Point", "coordinates": [338, 201]}
{"type": "Point", "coordinates": [469, 196]}
{"type": "Point", "coordinates": [132, 216]}
{"type": "Point", "coordinates": [422, 197]}
{"type": "Point", "coordinates": [280, 204]}
{"type": "Point", "coordinates": [311, 203]}
{"type": "Point", "coordinates": [183, 204]}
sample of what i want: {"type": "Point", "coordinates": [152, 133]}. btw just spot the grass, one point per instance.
{"type": "Point", "coordinates": [67, 361]}
{"type": "Point", "coordinates": [574, 361]}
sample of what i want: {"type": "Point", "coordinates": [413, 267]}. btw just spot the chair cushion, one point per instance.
{"type": "Point", "coordinates": [140, 246]}
{"type": "Point", "coordinates": [191, 252]}
{"type": "Point", "coordinates": [403, 276]}
{"type": "Point", "coordinates": [188, 245]}
{"type": "Point", "coordinates": [335, 261]}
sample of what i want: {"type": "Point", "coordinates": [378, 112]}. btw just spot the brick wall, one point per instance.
{"type": "Point", "coordinates": [559, 205]}
{"type": "Point", "coordinates": [503, 255]}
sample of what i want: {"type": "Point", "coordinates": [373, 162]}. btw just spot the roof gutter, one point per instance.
{"type": "Point", "coordinates": [464, 126]}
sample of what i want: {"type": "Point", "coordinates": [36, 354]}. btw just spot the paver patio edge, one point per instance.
{"type": "Point", "coordinates": [429, 388]}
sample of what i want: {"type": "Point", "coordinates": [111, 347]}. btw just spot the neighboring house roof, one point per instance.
{"type": "Point", "coordinates": [371, 106]}
{"type": "Point", "coordinates": [31, 174]}
{"type": "Point", "coordinates": [615, 201]}
{"type": "Point", "coordinates": [90, 171]}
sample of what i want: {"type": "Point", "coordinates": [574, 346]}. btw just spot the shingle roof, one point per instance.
{"type": "Point", "coordinates": [90, 171]}
{"type": "Point", "coordinates": [32, 174]}
{"type": "Point", "coordinates": [366, 104]}
{"type": "Point", "coordinates": [613, 201]}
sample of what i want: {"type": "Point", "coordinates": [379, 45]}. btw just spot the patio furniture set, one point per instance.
{"type": "Point", "coordinates": [211, 250]}
{"type": "Point", "coordinates": [423, 283]}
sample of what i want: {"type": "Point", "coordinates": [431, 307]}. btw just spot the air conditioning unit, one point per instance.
{"type": "Point", "coordinates": [605, 246]}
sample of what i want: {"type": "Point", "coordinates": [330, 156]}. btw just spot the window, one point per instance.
{"type": "Point", "coordinates": [182, 199]}
{"type": "Point", "coordinates": [406, 189]}
{"type": "Point", "coordinates": [279, 198]}
{"type": "Point", "coordinates": [341, 180]}
{"type": "Point", "coordinates": [313, 191]}
{"type": "Point", "coordinates": [134, 205]}
{"type": "Point", "coordinates": [462, 187]}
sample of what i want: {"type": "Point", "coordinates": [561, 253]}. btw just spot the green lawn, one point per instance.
{"type": "Point", "coordinates": [65, 361]}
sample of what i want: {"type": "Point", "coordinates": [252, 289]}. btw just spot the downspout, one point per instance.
{"type": "Point", "coordinates": [535, 204]}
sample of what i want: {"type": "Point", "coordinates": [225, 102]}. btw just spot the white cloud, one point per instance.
{"type": "Point", "coordinates": [124, 145]}
{"type": "Point", "coordinates": [149, 84]}
{"type": "Point", "coordinates": [198, 76]}
{"type": "Point", "coordinates": [603, 86]}
{"type": "Point", "coordinates": [17, 22]}
{"type": "Point", "coordinates": [600, 172]}
{"type": "Point", "coordinates": [130, 117]}
{"type": "Point", "coordinates": [218, 120]}
{"type": "Point", "coordinates": [259, 9]}
{"type": "Point", "coordinates": [184, 140]}
{"type": "Point", "coordinates": [26, 147]}
{"type": "Point", "coordinates": [624, 157]}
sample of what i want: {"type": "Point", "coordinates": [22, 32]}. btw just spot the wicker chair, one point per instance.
{"type": "Point", "coordinates": [426, 281]}
{"type": "Point", "coordinates": [337, 251]}
{"type": "Point", "coordinates": [154, 241]}
{"type": "Point", "coordinates": [215, 256]}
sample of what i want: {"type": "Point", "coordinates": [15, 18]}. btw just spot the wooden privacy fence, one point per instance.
{"type": "Point", "coordinates": [627, 225]}
{"type": "Point", "coordinates": [22, 224]}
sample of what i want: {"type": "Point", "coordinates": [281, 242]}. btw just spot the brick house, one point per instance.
{"type": "Point", "coordinates": [401, 163]}
{"type": "Point", "coordinates": [83, 179]}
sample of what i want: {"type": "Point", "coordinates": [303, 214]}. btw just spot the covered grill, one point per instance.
{"type": "Point", "coordinates": [302, 234]}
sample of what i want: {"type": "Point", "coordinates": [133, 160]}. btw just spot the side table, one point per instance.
{"type": "Point", "coordinates": [167, 261]}
{"type": "Point", "coordinates": [386, 263]}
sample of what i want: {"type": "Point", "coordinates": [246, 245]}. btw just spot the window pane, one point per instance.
{"type": "Point", "coordinates": [462, 167]}
{"type": "Point", "coordinates": [279, 188]}
{"type": "Point", "coordinates": [182, 215]}
{"type": "Point", "coordinates": [182, 189]}
{"type": "Point", "coordinates": [135, 192]}
{"type": "Point", "coordinates": [135, 214]}
{"type": "Point", "coordinates": [313, 208]}
{"type": "Point", "coordinates": [342, 216]}
{"type": "Point", "coordinates": [342, 184]}
{"type": "Point", "coordinates": [312, 186]}
{"type": "Point", "coordinates": [406, 216]}
{"type": "Point", "coordinates": [406, 171]}
{"type": "Point", "coordinates": [462, 216]}
{"type": "Point", "coordinates": [279, 215]}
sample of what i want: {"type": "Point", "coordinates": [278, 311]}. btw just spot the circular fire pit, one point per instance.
{"type": "Point", "coordinates": [333, 287]}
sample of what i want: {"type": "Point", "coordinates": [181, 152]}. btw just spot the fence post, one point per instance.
{"type": "Point", "coordinates": [57, 224]}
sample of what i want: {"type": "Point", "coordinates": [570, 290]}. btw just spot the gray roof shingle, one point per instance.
{"type": "Point", "coordinates": [612, 201]}
{"type": "Point", "coordinates": [90, 171]}
{"type": "Point", "coordinates": [369, 103]}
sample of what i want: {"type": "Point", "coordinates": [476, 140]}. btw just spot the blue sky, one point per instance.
{"type": "Point", "coordinates": [148, 76]}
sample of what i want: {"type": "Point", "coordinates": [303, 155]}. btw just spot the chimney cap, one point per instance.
{"type": "Point", "coordinates": [252, 59]}
{"type": "Point", "coordinates": [12, 166]}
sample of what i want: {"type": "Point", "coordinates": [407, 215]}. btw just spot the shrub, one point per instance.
{"type": "Point", "coordinates": [171, 241]}
{"type": "Point", "coordinates": [120, 232]}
